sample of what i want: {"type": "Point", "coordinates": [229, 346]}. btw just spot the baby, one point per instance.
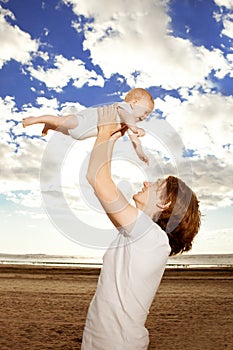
{"type": "Point", "coordinates": [137, 105]}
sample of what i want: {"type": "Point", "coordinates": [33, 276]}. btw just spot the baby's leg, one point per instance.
{"type": "Point", "coordinates": [62, 124]}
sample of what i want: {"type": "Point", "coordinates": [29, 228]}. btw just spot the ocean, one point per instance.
{"type": "Point", "coordinates": [185, 260]}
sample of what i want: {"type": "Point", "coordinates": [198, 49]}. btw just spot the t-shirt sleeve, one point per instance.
{"type": "Point", "coordinates": [146, 233]}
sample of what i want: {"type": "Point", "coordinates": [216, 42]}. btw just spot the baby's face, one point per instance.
{"type": "Point", "coordinates": [141, 109]}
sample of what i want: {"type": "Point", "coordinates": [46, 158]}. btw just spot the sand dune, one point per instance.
{"type": "Point", "coordinates": [45, 308]}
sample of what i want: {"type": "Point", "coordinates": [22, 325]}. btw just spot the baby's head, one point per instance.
{"type": "Point", "coordinates": [141, 101]}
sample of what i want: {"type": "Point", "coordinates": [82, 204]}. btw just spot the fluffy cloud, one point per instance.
{"type": "Point", "coordinates": [226, 3]}
{"type": "Point", "coordinates": [212, 182]}
{"type": "Point", "coordinates": [125, 41]}
{"type": "Point", "coordinates": [204, 122]}
{"type": "Point", "coordinates": [228, 25]}
{"type": "Point", "coordinates": [20, 171]}
{"type": "Point", "coordinates": [56, 78]}
{"type": "Point", "coordinates": [10, 37]}
{"type": "Point", "coordinates": [30, 199]}
{"type": "Point", "coordinates": [225, 17]}
{"type": "Point", "coordinates": [65, 71]}
{"type": "Point", "coordinates": [140, 41]}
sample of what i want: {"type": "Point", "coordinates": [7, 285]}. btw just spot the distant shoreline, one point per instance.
{"type": "Point", "coordinates": [96, 265]}
{"type": "Point", "coordinates": [30, 269]}
{"type": "Point", "coordinates": [44, 262]}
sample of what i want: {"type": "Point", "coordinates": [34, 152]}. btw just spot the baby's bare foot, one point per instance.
{"type": "Point", "coordinates": [28, 121]}
{"type": "Point", "coordinates": [45, 130]}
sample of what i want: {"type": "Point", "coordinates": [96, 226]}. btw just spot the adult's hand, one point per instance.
{"type": "Point", "coordinates": [108, 125]}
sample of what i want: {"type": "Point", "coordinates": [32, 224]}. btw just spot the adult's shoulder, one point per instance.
{"type": "Point", "coordinates": [148, 233]}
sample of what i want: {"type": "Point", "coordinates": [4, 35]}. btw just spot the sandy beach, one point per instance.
{"type": "Point", "coordinates": [45, 308]}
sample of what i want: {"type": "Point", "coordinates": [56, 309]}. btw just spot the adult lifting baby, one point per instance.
{"type": "Point", "coordinates": [136, 107]}
{"type": "Point", "coordinates": [163, 221]}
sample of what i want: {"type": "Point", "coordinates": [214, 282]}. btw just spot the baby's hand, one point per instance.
{"type": "Point", "coordinates": [141, 155]}
{"type": "Point", "coordinates": [141, 132]}
{"type": "Point", "coordinates": [137, 144]}
{"type": "Point", "coordinates": [144, 158]}
{"type": "Point", "coordinates": [137, 131]}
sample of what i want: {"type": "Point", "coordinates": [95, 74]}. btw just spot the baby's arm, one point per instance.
{"type": "Point", "coordinates": [138, 147]}
{"type": "Point", "coordinates": [129, 120]}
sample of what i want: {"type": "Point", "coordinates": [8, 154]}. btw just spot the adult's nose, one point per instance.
{"type": "Point", "coordinates": [146, 183]}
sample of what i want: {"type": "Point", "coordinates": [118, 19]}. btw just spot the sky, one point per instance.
{"type": "Point", "coordinates": [62, 56]}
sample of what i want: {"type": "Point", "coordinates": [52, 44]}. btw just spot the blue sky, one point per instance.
{"type": "Point", "coordinates": [62, 56]}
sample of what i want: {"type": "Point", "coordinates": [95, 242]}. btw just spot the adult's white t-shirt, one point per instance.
{"type": "Point", "coordinates": [132, 270]}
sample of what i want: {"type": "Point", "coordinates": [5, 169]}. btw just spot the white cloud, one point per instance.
{"type": "Point", "coordinates": [230, 60]}
{"type": "Point", "coordinates": [213, 182]}
{"type": "Point", "coordinates": [15, 43]}
{"type": "Point", "coordinates": [227, 3]}
{"type": "Point", "coordinates": [8, 110]}
{"type": "Point", "coordinates": [44, 55]}
{"type": "Point", "coordinates": [65, 71]}
{"type": "Point", "coordinates": [226, 18]}
{"type": "Point", "coordinates": [51, 103]}
{"type": "Point", "coordinates": [19, 171]}
{"type": "Point", "coordinates": [31, 199]}
{"type": "Point", "coordinates": [140, 39]}
{"type": "Point", "coordinates": [204, 123]}
{"type": "Point", "coordinates": [228, 25]}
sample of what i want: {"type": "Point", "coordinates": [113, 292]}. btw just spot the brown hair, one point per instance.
{"type": "Point", "coordinates": [139, 93]}
{"type": "Point", "coordinates": [181, 220]}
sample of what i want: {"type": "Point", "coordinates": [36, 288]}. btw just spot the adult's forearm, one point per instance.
{"type": "Point", "coordinates": [99, 169]}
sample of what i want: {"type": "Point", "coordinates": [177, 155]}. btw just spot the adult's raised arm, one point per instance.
{"type": "Point", "coordinates": [119, 210]}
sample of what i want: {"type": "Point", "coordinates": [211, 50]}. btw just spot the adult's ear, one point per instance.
{"type": "Point", "coordinates": [163, 206]}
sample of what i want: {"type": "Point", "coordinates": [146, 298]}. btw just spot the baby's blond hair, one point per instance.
{"type": "Point", "coordinates": [138, 93]}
